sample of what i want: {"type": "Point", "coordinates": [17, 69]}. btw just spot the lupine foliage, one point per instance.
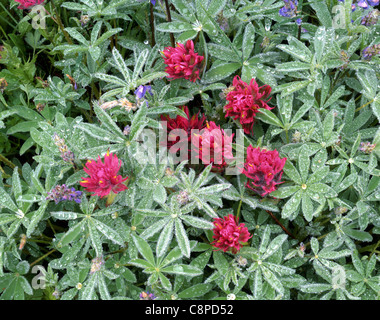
{"type": "Point", "coordinates": [292, 86]}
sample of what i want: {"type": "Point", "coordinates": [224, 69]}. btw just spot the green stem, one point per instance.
{"type": "Point", "coordinates": [169, 17]}
{"type": "Point", "coordinates": [43, 257]}
{"type": "Point", "coordinates": [60, 24]}
{"type": "Point", "coordinates": [9, 163]}
{"type": "Point", "coordinates": [238, 210]}
{"type": "Point", "coordinates": [366, 104]}
{"type": "Point", "coordinates": [152, 25]}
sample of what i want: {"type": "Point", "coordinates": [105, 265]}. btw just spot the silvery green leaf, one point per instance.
{"type": "Point", "coordinates": [248, 40]}
{"type": "Point", "coordinates": [274, 245]}
{"type": "Point", "coordinates": [182, 238]}
{"type": "Point", "coordinates": [315, 287]}
{"type": "Point", "coordinates": [154, 228]}
{"type": "Point", "coordinates": [144, 248]}
{"type": "Point", "coordinates": [307, 207]}
{"type": "Point", "coordinates": [102, 287]}
{"type": "Point", "coordinates": [6, 201]}
{"type": "Point", "coordinates": [95, 237]}
{"type": "Point", "coordinates": [303, 163]}
{"type": "Point", "coordinates": [197, 222]}
{"type": "Point", "coordinates": [284, 192]}
{"type": "Point", "coordinates": [291, 171]}
{"type": "Point", "coordinates": [182, 269]}
{"type": "Point", "coordinates": [36, 218]}
{"type": "Point", "coordinates": [108, 232]}
{"type": "Point", "coordinates": [108, 122]}
{"type": "Point", "coordinates": [291, 205]}
{"type": "Point", "coordinates": [72, 234]}
{"type": "Point", "coordinates": [164, 239]}
{"type": "Point", "coordinates": [273, 281]}
{"type": "Point", "coordinates": [197, 290]}
{"type": "Point", "coordinates": [89, 290]}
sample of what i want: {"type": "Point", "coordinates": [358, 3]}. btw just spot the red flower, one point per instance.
{"type": "Point", "coordinates": [181, 126]}
{"type": "Point", "coordinates": [25, 4]}
{"type": "Point", "coordinates": [228, 235]}
{"type": "Point", "coordinates": [104, 177]}
{"type": "Point", "coordinates": [245, 100]}
{"type": "Point", "coordinates": [213, 145]}
{"type": "Point", "coordinates": [263, 168]}
{"type": "Point", "coordinates": [182, 61]}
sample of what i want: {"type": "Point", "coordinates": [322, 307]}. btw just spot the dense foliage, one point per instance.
{"type": "Point", "coordinates": [189, 149]}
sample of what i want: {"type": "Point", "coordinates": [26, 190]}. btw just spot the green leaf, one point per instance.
{"type": "Point", "coordinates": [108, 122]}
{"type": "Point", "coordinates": [197, 222]}
{"type": "Point", "coordinates": [284, 192]}
{"type": "Point", "coordinates": [6, 201]}
{"type": "Point", "coordinates": [174, 27]}
{"type": "Point", "coordinates": [289, 88]}
{"type": "Point", "coordinates": [307, 207]}
{"type": "Point", "coordinates": [89, 289]}
{"type": "Point", "coordinates": [220, 72]}
{"type": "Point", "coordinates": [36, 218]}
{"type": "Point", "coordinates": [95, 238]}
{"type": "Point", "coordinates": [269, 117]}
{"type": "Point", "coordinates": [248, 40]}
{"type": "Point", "coordinates": [159, 193]}
{"type": "Point", "coordinates": [273, 281]}
{"type": "Point", "coordinates": [292, 205]}
{"type": "Point", "coordinates": [108, 232]}
{"type": "Point", "coordinates": [164, 239]}
{"type": "Point", "coordinates": [65, 215]}
{"type": "Point", "coordinates": [144, 249]}
{"type": "Point", "coordinates": [303, 163]}
{"type": "Point", "coordinates": [195, 291]}
{"type": "Point", "coordinates": [291, 171]}
{"type": "Point", "coordinates": [182, 269]}
{"type": "Point", "coordinates": [275, 244]}
{"type": "Point", "coordinates": [72, 234]}
{"type": "Point", "coordinates": [182, 239]}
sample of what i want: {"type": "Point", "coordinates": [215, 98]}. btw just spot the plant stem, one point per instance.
{"type": "Point", "coordinates": [169, 16]}
{"type": "Point", "coordinates": [280, 224]}
{"type": "Point", "coordinates": [366, 104]}
{"type": "Point", "coordinates": [43, 257]}
{"type": "Point", "coordinates": [152, 25]}
{"type": "Point", "coordinates": [60, 24]}
{"type": "Point", "coordinates": [238, 210]}
{"type": "Point", "coordinates": [9, 163]}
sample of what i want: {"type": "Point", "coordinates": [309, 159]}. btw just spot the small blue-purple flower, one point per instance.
{"type": "Point", "coordinates": [290, 9]}
{"type": "Point", "coordinates": [365, 4]}
{"type": "Point", "coordinates": [371, 51]}
{"type": "Point", "coordinates": [147, 296]}
{"type": "Point", "coordinates": [141, 91]}
{"type": "Point", "coordinates": [63, 193]}
{"type": "Point", "coordinates": [371, 18]}
{"type": "Point", "coordinates": [151, 1]}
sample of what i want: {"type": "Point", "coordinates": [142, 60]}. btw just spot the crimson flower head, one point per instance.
{"type": "Point", "coordinates": [213, 145]}
{"type": "Point", "coordinates": [104, 177]}
{"type": "Point", "coordinates": [228, 235]}
{"type": "Point", "coordinates": [182, 61]}
{"type": "Point", "coordinates": [263, 168]}
{"type": "Point", "coordinates": [244, 101]}
{"type": "Point", "coordinates": [182, 126]}
{"type": "Point", "coordinates": [26, 4]}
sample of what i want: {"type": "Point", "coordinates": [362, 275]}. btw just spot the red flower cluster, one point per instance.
{"type": "Point", "coordinates": [181, 126]}
{"type": "Point", "coordinates": [182, 61]}
{"type": "Point", "coordinates": [26, 4]}
{"type": "Point", "coordinates": [245, 100]}
{"type": "Point", "coordinates": [229, 235]}
{"type": "Point", "coordinates": [213, 145]}
{"type": "Point", "coordinates": [263, 168]}
{"type": "Point", "coordinates": [104, 177]}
